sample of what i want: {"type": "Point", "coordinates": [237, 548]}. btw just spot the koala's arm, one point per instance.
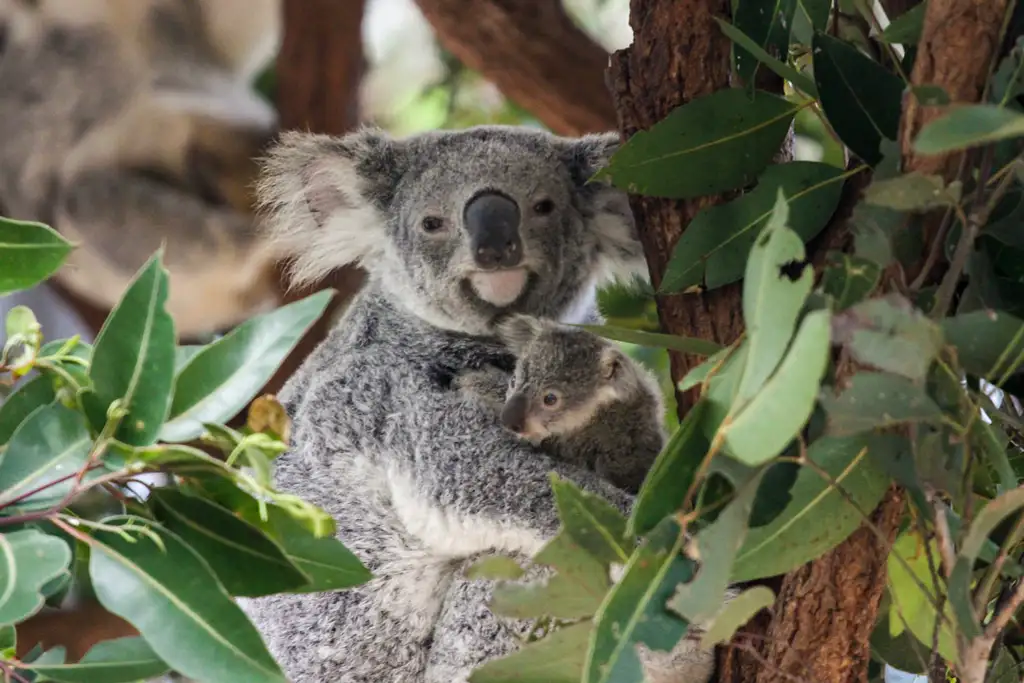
{"type": "Point", "coordinates": [489, 384]}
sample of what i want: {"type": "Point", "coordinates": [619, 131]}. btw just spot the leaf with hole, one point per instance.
{"type": "Point", "coordinates": [246, 562]}
{"type": "Point", "coordinates": [592, 522]}
{"type": "Point", "coordinates": [877, 399]}
{"type": "Point", "coordinates": [767, 23]}
{"type": "Point", "coordinates": [861, 98]}
{"type": "Point", "coordinates": [889, 334]}
{"type": "Point", "coordinates": [557, 658]}
{"type": "Point", "coordinates": [223, 376]}
{"type": "Point", "coordinates": [634, 611]}
{"type": "Point", "coordinates": [170, 595]}
{"type": "Point", "coordinates": [29, 254]}
{"type": "Point", "coordinates": [713, 249]}
{"type": "Point", "coordinates": [818, 516]}
{"type": "Point", "coordinates": [133, 359]}
{"type": "Point", "coordinates": [28, 560]}
{"type": "Point", "coordinates": [46, 451]}
{"type": "Point", "coordinates": [969, 125]}
{"type": "Point", "coordinates": [735, 614]}
{"type": "Point", "coordinates": [121, 660]}
{"type": "Point", "coordinates": [711, 144]}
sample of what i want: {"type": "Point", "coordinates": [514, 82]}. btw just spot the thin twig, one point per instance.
{"type": "Point", "coordinates": [988, 581]}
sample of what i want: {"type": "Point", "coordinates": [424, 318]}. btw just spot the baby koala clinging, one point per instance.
{"type": "Point", "coordinates": [577, 396]}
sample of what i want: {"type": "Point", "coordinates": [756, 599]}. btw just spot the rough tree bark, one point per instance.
{"type": "Point", "coordinates": [534, 53]}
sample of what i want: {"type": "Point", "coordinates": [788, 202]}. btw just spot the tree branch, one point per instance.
{"type": "Point", "coordinates": [534, 53]}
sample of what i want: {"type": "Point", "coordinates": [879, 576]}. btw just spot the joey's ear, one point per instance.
{"type": "Point", "coordinates": [518, 330]}
{"type": "Point", "coordinates": [606, 211]}
{"type": "Point", "coordinates": [323, 199]}
{"type": "Point", "coordinates": [613, 364]}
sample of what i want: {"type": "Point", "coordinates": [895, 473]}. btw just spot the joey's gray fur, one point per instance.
{"type": "Point", "coordinates": [128, 123]}
{"type": "Point", "coordinates": [417, 478]}
{"type": "Point", "coordinates": [606, 411]}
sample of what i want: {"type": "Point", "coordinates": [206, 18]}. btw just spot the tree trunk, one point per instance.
{"type": "Point", "coordinates": [534, 53]}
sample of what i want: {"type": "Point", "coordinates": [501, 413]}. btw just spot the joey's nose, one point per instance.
{"type": "Point", "coordinates": [513, 415]}
{"type": "Point", "coordinates": [492, 221]}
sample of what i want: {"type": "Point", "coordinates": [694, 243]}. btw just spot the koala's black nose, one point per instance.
{"type": "Point", "coordinates": [513, 415]}
{"type": "Point", "coordinates": [492, 221]}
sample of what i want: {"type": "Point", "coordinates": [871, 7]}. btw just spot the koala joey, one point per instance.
{"type": "Point", "coordinates": [127, 124]}
{"type": "Point", "coordinates": [576, 395]}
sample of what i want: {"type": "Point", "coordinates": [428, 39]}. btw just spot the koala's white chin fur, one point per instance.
{"type": "Point", "coordinates": [499, 288]}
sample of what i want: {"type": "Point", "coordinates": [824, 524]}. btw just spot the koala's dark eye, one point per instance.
{"type": "Point", "coordinates": [550, 399]}
{"type": "Point", "coordinates": [432, 224]}
{"type": "Point", "coordinates": [544, 207]}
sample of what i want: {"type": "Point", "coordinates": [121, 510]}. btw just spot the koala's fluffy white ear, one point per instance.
{"type": "Point", "coordinates": [322, 199]}
{"type": "Point", "coordinates": [606, 210]}
{"type": "Point", "coordinates": [517, 331]}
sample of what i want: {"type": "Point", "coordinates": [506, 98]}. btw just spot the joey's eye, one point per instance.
{"type": "Point", "coordinates": [544, 207]}
{"type": "Point", "coordinates": [550, 399]}
{"type": "Point", "coordinates": [432, 224]}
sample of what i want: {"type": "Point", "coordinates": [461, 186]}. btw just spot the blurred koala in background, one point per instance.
{"type": "Point", "coordinates": [127, 124]}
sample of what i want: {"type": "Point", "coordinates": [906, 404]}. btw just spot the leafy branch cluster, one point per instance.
{"type": "Point", "coordinates": [84, 422]}
{"type": "Point", "coordinates": [898, 363]}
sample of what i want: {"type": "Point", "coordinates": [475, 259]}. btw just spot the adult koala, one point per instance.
{"type": "Point", "coordinates": [455, 229]}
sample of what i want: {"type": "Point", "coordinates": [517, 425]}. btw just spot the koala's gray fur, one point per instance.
{"type": "Point", "coordinates": [130, 123]}
{"type": "Point", "coordinates": [609, 414]}
{"type": "Point", "coordinates": [417, 478]}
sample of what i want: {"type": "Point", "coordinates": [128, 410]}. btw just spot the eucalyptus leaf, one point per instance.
{"type": "Point", "coordinates": [736, 613]}
{"type": "Point", "coordinates": [495, 567]}
{"type": "Point", "coordinates": [121, 660]}
{"type": "Point", "coordinates": [861, 98]}
{"type": "Point", "coordinates": [133, 359]}
{"type": "Point", "coordinates": [877, 399]}
{"type": "Point", "coordinates": [819, 517]}
{"type": "Point", "coordinates": [28, 560]}
{"type": "Point", "coordinates": [713, 249]}
{"type": "Point", "coordinates": [969, 125]}
{"type": "Point", "coordinates": [29, 253]}
{"type": "Point", "coordinates": [849, 278]}
{"type": "Point", "coordinates": [767, 23]}
{"type": "Point", "coordinates": [634, 611]}
{"type": "Point", "coordinates": [906, 28]}
{"type": "Point", "coordinates": [246, 562]}
{"type": "Point", "coordinates": [783, 70]}
{"type": "Point", "coordinates": [592, 522]}
{"type": "Point", "coordinates": [223, 376]}
{"type": "Point", "coordinates": [989, 344]}
{"type": "Point", "coordinates": [15, 409]}
{"type": "Point", "coordinates": [914, 192]}
{"type": "Point", "coordinates": [716, 142]}
{"type": "Point", "coordinates": [657, 340]}
{"type": "Point", "coordinates": [558, 658]}
{"type": "Point", "coordinates": [172, 597]}
{"type": "Point", "coordinates": [913, 601]}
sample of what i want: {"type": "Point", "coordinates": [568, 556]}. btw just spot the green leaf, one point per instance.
{"type": "Point", "coordinates": [8, 641]}
{"type": "Point", "coordinates": [495, 567]}
{"type": "Point", "coordinates": [66, 361]}
{"type": "Point", "coordinates": [716, 548]}
{"type": "Point", "coordinates": [656, 340]}
{"type": "Point", "coordinates": [29, 253]}
{"type": "Point", "coordinates": [810, 16]}
{"type": "Point", "coordinates": [961, 577]}
{"type": "Point", "coordinates": [16, 408]}
{"type": "Point", "coordinates": [672, 473]}
{"type": "Point", "coordinates": [29, 559]}
{"type": "Point", "coordinates": [592, 522]}
{"type": "Point", "coordinates": [848, 279]}
{"type": "Point", "coordinates": [222, 377]}
{"type": "Point", "coordinates": [889, 334]}
{"type": "Point", "coordinates": [873, 228]}
{"type": "Point", "coordinates": [184, 354]}
{"type": "Point", "coordinates": [819, 517]}
{"type": "Point", "coordinates": [913, 602]}
{"type": "Point", "coordinates": [174, 600]}
{"type": "Point", "coordinates": [772, 300]}
{"type": "Point", "coordinates": [326, 561]}
{"type": "Point", "coordinates": [969, 125]}
{"type": "Point", "coordinates": [699, 374]}
{"type": "Point", "coordinates": [714, 143]}
{"type": "Point", "coordinates": [575, 591]}
{"type": "Point", "coordinates": [764, 427]}
{"type": "Point", "coordinates": [989, 344]}
{"type": "Point", "coordinates": [713, 249]}
{"type": "Point", "coordinates": [558, 658]}
{"type": "Point", "coordinates": [736, 613]}
{"type": "Point", "coordinates": [50, 445]}
{"type": "Point", "coordinates": [914, 192]}
{"type": "Point", "coordinates": [877, 399]}
{"type": "Point", "coordinates": [906, 28]}
{"type": "Point", "coordinates": [861, 98]}
{"type": "Point", "coordinates": [634, 611]}
{"type": "Point", "coordinates": [783, 70]}
{"type": "Point", "coordinates": [767, 23]}
{"type": "Point", "coordinates": [121, 660]}
{"type": "Point", "coordinates": [133, 359]}
{"type": "Point", "coordinates": [246, 562]}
